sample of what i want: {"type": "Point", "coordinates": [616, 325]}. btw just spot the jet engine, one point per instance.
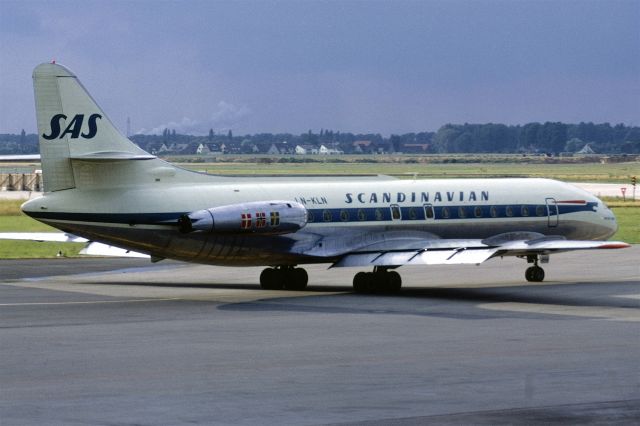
{"type": "Point", "coordinates": [264, 217]}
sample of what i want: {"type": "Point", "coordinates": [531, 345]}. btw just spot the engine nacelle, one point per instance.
{"type": "Point", "coordinates": [264, 217]}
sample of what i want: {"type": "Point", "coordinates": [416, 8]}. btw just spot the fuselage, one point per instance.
{"type": "Point", "coordinates": [341, 214]}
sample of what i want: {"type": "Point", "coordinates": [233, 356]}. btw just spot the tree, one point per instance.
{"type": "Point", "coordinates": [210, 135]}
{"type": "Point", "coordinates": [396, 143]}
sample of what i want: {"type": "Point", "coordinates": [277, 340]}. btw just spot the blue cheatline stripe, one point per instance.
{"type": "Point", "coordinates": [352, 214]}
{"type": "Point", "coordinates": [372, 214]}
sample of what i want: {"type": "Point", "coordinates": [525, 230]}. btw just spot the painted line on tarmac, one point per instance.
{"type": "Point", "coordinates": [600, 312]}
{"type": "Point", "coordinates": [91, 302]}
{"type": "Point", "coordinates": [629, 296]}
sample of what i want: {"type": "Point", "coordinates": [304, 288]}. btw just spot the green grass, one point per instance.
{"type": "Point", "coordinates": [583, 172]}
{"type": "Point", "coordinates": [37, 250]}
{"type": "Point", "coordinates": [12, 249]}
{"type": "Point", "coordinates": [23, 223]}
{"type": "Point", "coordinates": [629, 224]}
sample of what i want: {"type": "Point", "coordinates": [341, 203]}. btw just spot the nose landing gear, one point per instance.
{"type": "Point", "coordinates": [284, 277]}
{"type": "Point", "coordinates": [380, 280]}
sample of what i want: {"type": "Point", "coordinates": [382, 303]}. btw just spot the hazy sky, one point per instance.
{"type": "Point", "coordinates": [359, 66]}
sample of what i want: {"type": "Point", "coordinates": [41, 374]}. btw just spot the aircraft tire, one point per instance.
{"type": "Point", "coordinates": [271, 279]}
{"type": "Point", "coordinates": [295, 279]}
{"type": "Point", "coordinates": [377, 282]}
{"type": "Point", "coordinates": [394, 281]}
{"type": "Point", "coordinates": [534, 274]}
{"type": "Point", "coordinates": [360, 282]}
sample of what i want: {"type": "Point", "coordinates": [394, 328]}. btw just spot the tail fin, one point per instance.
{"type": "Point", "coordinates": [72, 126]}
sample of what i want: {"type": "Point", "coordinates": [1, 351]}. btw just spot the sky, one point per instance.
{"type": "Point", "coordinates": [352, 66]}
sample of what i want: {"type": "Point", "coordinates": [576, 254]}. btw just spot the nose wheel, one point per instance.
{"type": "Point", "coordinates": [534, 274]}
{"type": "Point", "coordinates": [284, 278]}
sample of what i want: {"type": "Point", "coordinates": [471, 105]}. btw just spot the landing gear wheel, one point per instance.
{"type": "Point", "coordinates": [380, 281]}
{"type": "Point", "coordinates": [284, 277]}
{"type": "Point", "coordinates": [360, 282]}
{"type": "Point", "coordinates": [534, 274]}
{"type": "Point", "coordinates": [295, 279]}
{"type": "Point", "coordinates": [271, 279]}
{"type": "Point", "coordinates": [394, 281]}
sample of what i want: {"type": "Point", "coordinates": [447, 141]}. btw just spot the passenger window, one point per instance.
{"type": "Point", "coordinates": [326, 216]}
{"type": "Point", "coordinates": [310, 217]}
{"type": "Point", "coordinates": [462, 212]}
{"type": "Point", "coordinates": [413, 215]}
{"type": "Point", "coordinates": [379, 214]}
{"type": "Point", "coordinates": [445, 212]}
{"type": "Point", "coordinates": [540, 210]}
{"type": "Point", "coordinates": [493, 211]}
{"type": "Point", "coordinates": [362, 215]}
{"type": "Point", "coordinates": [344, 215]}
{"type": "Point", "coordinates": [509, 211]}
{"type": "Point", "coordinates": [525, 211]}
{"type": "Point", "coordinates": [477, 211]}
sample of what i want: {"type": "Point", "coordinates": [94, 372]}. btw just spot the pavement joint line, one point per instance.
{"type": "Point", "coordinates": [90, 302]}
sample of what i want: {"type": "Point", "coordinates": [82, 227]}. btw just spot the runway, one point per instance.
{"type": "Point", "coordinates": [107, 341]}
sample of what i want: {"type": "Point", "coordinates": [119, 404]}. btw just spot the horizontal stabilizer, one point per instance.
{"type": "Point", "coordinates": [112, 156]}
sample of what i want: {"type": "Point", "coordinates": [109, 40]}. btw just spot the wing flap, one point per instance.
{"type": "Point", "coordinates": [458, 252]}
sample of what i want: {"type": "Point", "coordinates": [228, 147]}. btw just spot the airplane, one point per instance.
{"type": "Point", "coordinates": [102, 187]}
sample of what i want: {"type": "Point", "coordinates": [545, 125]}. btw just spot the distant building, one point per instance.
{"type": "Point", "coordinates": [305, 149]}
{"type": "Point", "coordinates": [273, 150]}
{"type": "Point", "coordinates": [208, 148]}
{"type": "Point", "coordinates": [363, 147]}
{"type": "Point", "coordinates": [586, 150]}
{"type": "Point", "coordinates": [324, 150]}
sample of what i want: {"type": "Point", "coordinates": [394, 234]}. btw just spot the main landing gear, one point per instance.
{"type": "Point", "coordinates": [284, 277]}
{"type": "Point", "coordinates": [534, 273]}
{"type": "Point", "coordinates": [380, 280]}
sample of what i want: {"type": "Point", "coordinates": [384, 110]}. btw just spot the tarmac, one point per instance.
{"type": "Point", "coordinates": [123, 341]}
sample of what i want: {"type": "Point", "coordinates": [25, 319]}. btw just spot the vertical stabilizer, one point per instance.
{"type": "Point", "coordinates": [71, 125]}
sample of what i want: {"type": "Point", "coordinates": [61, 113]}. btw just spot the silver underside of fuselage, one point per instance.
{"type": "Point", "coordinates": [316, 243]}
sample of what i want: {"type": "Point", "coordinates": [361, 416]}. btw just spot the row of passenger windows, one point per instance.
{"type": "Point", "coordinates": [415, 213]}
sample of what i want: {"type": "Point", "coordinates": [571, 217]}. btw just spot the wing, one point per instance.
{"type": "Point", "coordinates": [468, 251]}
{"type": "Point", "coordinates": [92, 248]}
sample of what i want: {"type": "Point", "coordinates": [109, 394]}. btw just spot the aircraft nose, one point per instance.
{"type": "Point", "coordinates": [608, 219]}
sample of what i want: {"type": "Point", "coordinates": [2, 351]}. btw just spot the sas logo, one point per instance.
{"type": "Point", "coordinates": [74, 128]}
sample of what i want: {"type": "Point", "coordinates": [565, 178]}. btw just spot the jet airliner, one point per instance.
{"type": "Point", "coordinates": [102, 187]}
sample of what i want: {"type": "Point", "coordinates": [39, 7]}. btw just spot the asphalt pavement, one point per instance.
{"type": "Point", "coordinates": [108, 341]}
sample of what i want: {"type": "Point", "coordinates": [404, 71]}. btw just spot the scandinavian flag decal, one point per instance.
{"type": "Point", "coordinates": [245, 221]}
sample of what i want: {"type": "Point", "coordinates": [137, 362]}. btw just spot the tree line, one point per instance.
{"type": "Point", "coordinates": [548, 137]}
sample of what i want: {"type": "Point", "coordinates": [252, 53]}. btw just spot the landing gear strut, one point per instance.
{"type": "Point", "coordinates": [534, 273]}
{"type": "Point", "coordinates": [284, 277]}
{"type": "Point", "coordinates": [379, 281]}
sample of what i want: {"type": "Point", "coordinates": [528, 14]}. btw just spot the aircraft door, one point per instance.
{"type": "Point", "coordinates": [396, 213]}
{"type": "Point", "coordinates": [553, 215]}
{"type": "Point", "coordinates": [429, 214]}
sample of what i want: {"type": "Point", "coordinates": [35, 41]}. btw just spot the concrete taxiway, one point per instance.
{"type": "Point", "coordinates": [86, 341]}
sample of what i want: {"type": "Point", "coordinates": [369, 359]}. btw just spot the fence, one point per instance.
{"type": "Point", "coordinates": [20, 181]}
